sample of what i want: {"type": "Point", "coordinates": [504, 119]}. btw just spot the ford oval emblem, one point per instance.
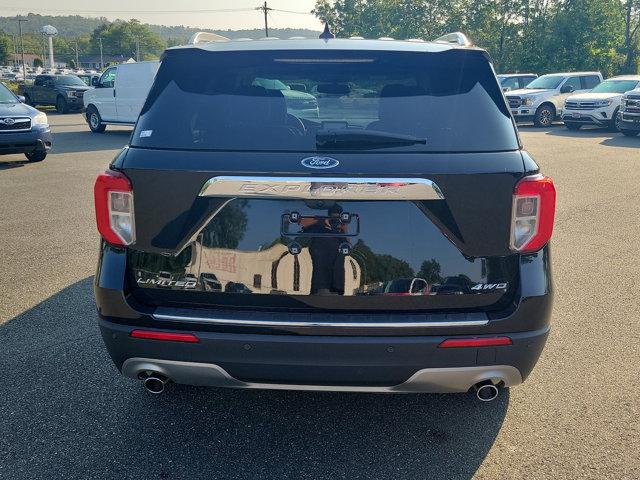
{"type": "Point", "coordinates": [320, 162]}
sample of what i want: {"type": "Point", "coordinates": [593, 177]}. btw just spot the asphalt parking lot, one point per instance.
{"type": "Point", "coordinates": [66, 413]}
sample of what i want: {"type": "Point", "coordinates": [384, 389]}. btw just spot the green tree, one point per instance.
{"type": "Point", "coordinates": [430, 271]}
{"type": "Point", "coordinates": [631, 43]}
{"type": "Point", "coordinates": [537, 35]}
{"type": "Point", "coordinates": [379, 267]}
{"type": "Point", "coordinates": [120, 38]}
{"type": "Point", "coordinates": [6, 48]}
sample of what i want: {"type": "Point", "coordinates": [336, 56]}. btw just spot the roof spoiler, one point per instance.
{"type": "Point", "coordinates": [206, 37]}
{"type": "Point", "coordinates": [455, 38]}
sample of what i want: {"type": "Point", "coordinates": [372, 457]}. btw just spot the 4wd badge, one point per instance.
{"type": "Point", "coordinates": [490, 286]}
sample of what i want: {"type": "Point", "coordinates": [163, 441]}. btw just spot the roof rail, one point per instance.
{"type": "Point", "coordinates": [206, 37]}
{"type": "Point", "coordinates": [456, 38]}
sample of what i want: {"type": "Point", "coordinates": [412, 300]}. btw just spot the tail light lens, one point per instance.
{"type": "Point", "coordinates": [114, 208]}
{"type": "Point", "coordinates": [534, 208]}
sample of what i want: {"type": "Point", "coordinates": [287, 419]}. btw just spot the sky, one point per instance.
{"type": "Point", "coordinates": [195, 13]}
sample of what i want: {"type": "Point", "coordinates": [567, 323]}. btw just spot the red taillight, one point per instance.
{"type": "Point", "coordinates": [166, 336]}
{"type": "Point", "coordinates": [114, 208]}
{"type": "Point", "coordinates": [475, 342]}
{"type": "Point", "coordinates": [533, 211]}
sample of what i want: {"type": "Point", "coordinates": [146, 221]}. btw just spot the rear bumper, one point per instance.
{"type": "Point", "coordinates": [377, 364]}
{"type": "Point", "coordinates": [37, 139]}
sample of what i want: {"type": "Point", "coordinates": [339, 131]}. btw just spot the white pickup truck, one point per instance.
{"type": "Point", "coordinates": [630, 113]}
{"type": "Point", "coordinates": [543, 99]}
{"type": "Point", "coordinates": [600, 106]}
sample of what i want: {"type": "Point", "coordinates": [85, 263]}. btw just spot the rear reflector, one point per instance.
{"type": "Point", "coordinates": [113, 197]}
{"type": "Point", "coordinates": [166, 336]}
{"type": "Point", "coordinates": [533, 211]}
{"type": "Point", "coordinates": [475, 342]}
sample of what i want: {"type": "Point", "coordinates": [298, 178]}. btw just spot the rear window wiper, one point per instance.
{"type": "Point", "coordinates": [364, 139]}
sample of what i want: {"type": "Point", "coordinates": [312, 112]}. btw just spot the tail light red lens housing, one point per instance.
{"type": "Point", "coordinates": [113, 197]}
{"type": "Point", "coordinates": [533, 213]}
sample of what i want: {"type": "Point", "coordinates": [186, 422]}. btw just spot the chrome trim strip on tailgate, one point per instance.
{"type": "Point", "coordinates": [338, 188]}
{"type": "Point", "coordinates": [171, 315]}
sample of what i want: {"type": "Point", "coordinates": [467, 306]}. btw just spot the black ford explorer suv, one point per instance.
{"type": "Point", "coordinates": [247, 246]}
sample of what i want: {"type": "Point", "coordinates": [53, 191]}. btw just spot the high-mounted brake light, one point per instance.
{"type": "Point", "coordinates": [114, 208]}
{"type": "Point", "coordinates": [475, 342]}
{"type": "Point", "coordinates": [533, 211]}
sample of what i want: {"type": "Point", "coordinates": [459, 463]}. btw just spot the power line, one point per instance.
{"type": "Point", "coordinates": [110, 12]}
{"type": "Point", "coordinates": [291, 11]}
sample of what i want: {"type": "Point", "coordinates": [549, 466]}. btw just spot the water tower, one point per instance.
{"type": "Point", "coordinates": [50, 32]}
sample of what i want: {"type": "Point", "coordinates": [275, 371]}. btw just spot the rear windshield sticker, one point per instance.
{"type": "Point", "coordinates": [145, 133]}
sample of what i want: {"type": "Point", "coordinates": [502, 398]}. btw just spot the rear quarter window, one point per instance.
{"type": "Point", "coordinates": [590, 81]}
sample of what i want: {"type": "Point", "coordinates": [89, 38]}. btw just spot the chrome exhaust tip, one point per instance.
{"type": "Point", "coordinates": [154, 384]}
{"type": "Point", "coordinates": [486, 391]}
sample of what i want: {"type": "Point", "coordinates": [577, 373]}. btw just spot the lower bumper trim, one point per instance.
{"type": "Point", "coordinates": [586, 119]}
{"type": "Point", "coordinates": [428, 380]}
{"type": "Point", "coordinates": [629, 125]}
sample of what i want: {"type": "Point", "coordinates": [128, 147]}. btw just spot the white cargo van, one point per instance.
{"type": "Point", "coordinates": [119, 95]}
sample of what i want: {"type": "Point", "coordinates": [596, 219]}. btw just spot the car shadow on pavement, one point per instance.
{"type": "Point", "coordinates": [8, 165]}
{"type": "Point", "coordinates": [73, 142]}
{"type": "Point", "coordinates": [66, 413]}
{"type": "Point", "coordinates": [622, 141]}
{"type": "Point", "coordinates": [609, 138]}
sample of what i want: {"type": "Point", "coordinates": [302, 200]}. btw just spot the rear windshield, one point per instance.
{"type": "Point", "coordinates": [315, 101]}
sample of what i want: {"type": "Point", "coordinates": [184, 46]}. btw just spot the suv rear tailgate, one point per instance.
{"type": "Point", "coordinates": [439, 253]}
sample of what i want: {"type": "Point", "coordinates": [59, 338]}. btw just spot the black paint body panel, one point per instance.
{"type": "Point", "coordinates": [477, 188]}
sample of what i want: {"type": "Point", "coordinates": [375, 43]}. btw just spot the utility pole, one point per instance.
{"type": "Point", "coordinates": [75, 42]}
{"type": "Point", "coordinates": [24, 67]}
{"type": "Point", "coordinates": [137, 49]}
{"type": "Point", "coordinates": [15, 52]}
{"type": "Point", "coordinates": [266, 10]}
{"type": "Point", "coordinates": [101, 61]}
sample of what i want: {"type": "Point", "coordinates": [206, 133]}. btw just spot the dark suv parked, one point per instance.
{"type": "Point", "coordinates": [23, 129]}
{"type": "Point", "coordinates": [247, 246]}
{"type": "Point", "coordinates": [63, 91]}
